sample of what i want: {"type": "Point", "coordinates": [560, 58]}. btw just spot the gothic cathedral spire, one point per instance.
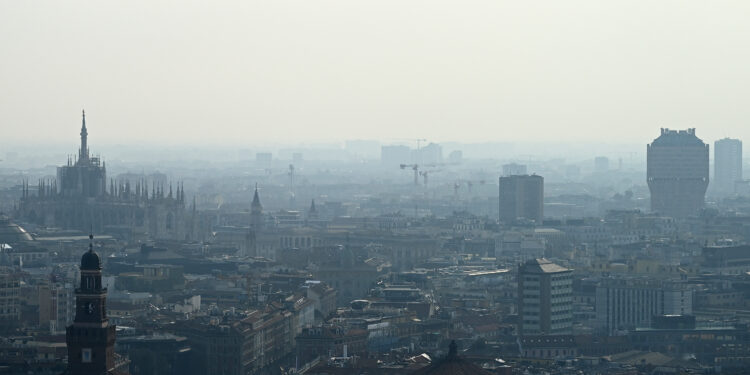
{"type": "Point", "coordinates": [256, 211]}
{"type": "Point", "coordinates": [83, 153]}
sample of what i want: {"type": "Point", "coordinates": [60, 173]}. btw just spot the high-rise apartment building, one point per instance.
{"type": "Point", "coordinates": [727, 164]}
{"type": "Point", "coordinates": [521, 197]}
{"type": "Point", "coordinates": [677, 172]}
{"type": "Point", "coordinates": [625, 304]}
{"type": "Point", "coordinates": [545, 298]}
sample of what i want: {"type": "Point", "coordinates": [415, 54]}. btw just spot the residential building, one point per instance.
{"type": "Point", "coordinates": [10, 309]}
{"type": "Point", "coordinates": [626, 304]}
{"type": "Point", "coordinates": [545, 298]}
{"type": "Point", "coordinates": [521, 197]}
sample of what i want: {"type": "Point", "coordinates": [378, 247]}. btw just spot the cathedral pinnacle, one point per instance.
{"type": "Point", "coordinates": [83, 153]}
{"type": "Point", "coordinates": [256, 199]}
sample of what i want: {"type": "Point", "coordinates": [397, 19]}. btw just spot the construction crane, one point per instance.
{"type": "Point", "coordinates": [424, 174]}
{"type": "Point", "coordinates": [415, 168]}
{"type": "Point", "coordinates": [419, 141]}
{"type": "Point", "coordinates": [469, 184]}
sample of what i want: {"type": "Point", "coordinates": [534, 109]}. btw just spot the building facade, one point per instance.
{"type": "Point", "coordinates": [545, 298]}
{"type": "Point", "coordinates": [677, 173]}
{"type": "Point", "coordinates": [627, 304]}
{"type": "Point", "coordinates": [56, 306]}
{"type": "Point", "coordinates": [10, 302]}
{"type": "Point", "coordinates": [78, 199]}
{"type": "Point", "coordinates": [727, 164]}
{"type": "Point", "coordinates": [521, 197]}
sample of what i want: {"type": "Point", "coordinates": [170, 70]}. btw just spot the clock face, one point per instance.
{"type": "Point", "coordinates": [90, 308]}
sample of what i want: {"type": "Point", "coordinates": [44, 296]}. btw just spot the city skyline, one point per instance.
{"type": "Point", "coordinates": [333, 187]}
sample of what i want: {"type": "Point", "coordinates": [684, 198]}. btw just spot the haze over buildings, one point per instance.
{"type": "Point", "coordinates": [330, 187]}
{"type": "Point", "coordinates": [476, 73]}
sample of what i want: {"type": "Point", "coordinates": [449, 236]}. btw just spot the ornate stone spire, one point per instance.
{"type": "Point", "coordinates": [83, 153]}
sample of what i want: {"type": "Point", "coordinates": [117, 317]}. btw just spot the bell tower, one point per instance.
{"type": "Point", "coordinates": [91, 339]}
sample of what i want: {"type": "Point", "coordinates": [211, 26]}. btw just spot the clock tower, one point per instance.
{"type": "Point", "coordinates": [91, 339]}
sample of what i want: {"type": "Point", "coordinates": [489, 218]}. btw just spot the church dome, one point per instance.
{"type": "Point", "coordinates": [11, 232]}
{"type": "Point", "coordinates": [90, 261]}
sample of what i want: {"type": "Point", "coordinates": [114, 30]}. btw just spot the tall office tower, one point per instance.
{"type": "Point", "coordinates": [626, 304]}
{"type": "Point", "coordinates": [545, 298]}
{"type": "Point", "coordinates": [727, 164]}
{"type": "Point", "coordinates": [513, 169]}
{"type": "Point", "coordinates": [521, 196]}
{"type": "Point", "coordinates": [677, 172]}
{"type": "Point", "coordinates": [91, 339]}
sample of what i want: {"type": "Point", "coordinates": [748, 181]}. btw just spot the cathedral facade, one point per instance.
{"type": "Point", "coordinates": [79, 199]}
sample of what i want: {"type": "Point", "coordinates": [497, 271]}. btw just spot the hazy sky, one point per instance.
{"type": "Point", "coordinates": [274, 70]}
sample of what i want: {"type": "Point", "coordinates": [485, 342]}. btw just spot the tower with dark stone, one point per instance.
{"type": "Point", "coordinates": [91, 339]}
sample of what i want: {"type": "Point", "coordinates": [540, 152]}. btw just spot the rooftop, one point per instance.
{"type": "Point", "coordinates": [542, 265]}
{"type": "Point", "coordinates": [677, 138]}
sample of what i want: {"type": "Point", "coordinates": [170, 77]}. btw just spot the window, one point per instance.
{"type": "Point", "coordinates": [86, 355]}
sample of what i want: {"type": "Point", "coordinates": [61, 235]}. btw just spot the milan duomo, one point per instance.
{"type": "Point", "coordinates": [79, 199]}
